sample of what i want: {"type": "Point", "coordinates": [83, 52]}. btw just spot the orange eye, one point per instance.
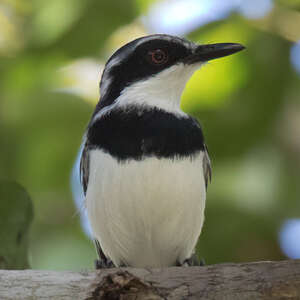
{"type": "Point", "coordinates": [158, 56]}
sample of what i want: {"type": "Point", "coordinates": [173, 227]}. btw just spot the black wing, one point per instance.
{"type": "Point", "coordinates": [206, 167]}
{"type": "Point", "coordinates": [85, 167]}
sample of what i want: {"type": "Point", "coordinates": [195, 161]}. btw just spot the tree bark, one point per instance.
{"type": "Point", "coordinates": [259, 280]}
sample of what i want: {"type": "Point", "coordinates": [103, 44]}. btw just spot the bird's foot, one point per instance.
{"type": "Point", "coordinates": [104, 264]}
{"type": "Point", "coordinates": [192, 261]}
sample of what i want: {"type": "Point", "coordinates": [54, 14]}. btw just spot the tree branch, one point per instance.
{"type": "Point", "coordinates": [260, 280]}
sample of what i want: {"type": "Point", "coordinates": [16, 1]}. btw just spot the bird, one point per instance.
{"type": "Point", "coordinates": [145, 166]}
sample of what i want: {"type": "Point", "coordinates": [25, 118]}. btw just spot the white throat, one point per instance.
{"type": "Point", "coordinates": [162, 90]}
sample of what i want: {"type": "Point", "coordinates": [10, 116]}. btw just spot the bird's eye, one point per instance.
{"type": "Point", "coordinates": [158, 56]}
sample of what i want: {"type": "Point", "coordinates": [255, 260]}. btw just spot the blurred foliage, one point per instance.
{"type": "Point", "coordinates": [16, 213]}
{"type": "Point", "coordinates": [145, 5]}
{"type": "Point", "coordinates": [293, 4]}
{"type": "Point", "coordinates": [228, 68]}
{"type": "Point", "coordinates": [248, 105]}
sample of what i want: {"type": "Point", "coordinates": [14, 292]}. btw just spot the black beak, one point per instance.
{"type": "Point", "coordinates": [211, 51]}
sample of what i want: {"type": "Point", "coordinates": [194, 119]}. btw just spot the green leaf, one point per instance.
{"type": "Point", "coordinates": [16, 213]}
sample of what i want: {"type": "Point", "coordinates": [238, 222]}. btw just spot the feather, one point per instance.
{"type": "Point", "coordinates": [85, 166]}
{"type": "Point", "coordinates": [206, 167]}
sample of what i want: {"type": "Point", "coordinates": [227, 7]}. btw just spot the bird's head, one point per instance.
{"type": "Point", "coordinates": [153, 70]}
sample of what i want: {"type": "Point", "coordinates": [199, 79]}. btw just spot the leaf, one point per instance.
{"type": "Point", "coordinates": [16, 214]}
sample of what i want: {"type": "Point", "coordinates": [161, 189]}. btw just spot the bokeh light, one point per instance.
{"type": "Point", "coordinates": [295, 56]}
{"type": "Point", "coordinates": [254, 9]}
{"type": "Point", "coordinates": [182, 16]}
{"type": "Point", "coordinates": [289, 238]}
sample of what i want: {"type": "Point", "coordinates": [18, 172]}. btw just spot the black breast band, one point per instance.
{"type": "Point", "coordinates": [138, 132]}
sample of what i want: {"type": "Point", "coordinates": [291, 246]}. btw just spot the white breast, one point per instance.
{"type": "Point", "coordinates": [146, 213]}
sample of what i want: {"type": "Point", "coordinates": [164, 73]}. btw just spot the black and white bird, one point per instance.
{"type": "Point", "coordinates": [145, 166]}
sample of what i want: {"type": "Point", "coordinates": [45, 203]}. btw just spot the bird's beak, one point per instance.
{"type": "Point", "coordinates": [207, 52]}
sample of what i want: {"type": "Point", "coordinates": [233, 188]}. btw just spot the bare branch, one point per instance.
{"type": "Point", "coordinates": [260, 280]}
